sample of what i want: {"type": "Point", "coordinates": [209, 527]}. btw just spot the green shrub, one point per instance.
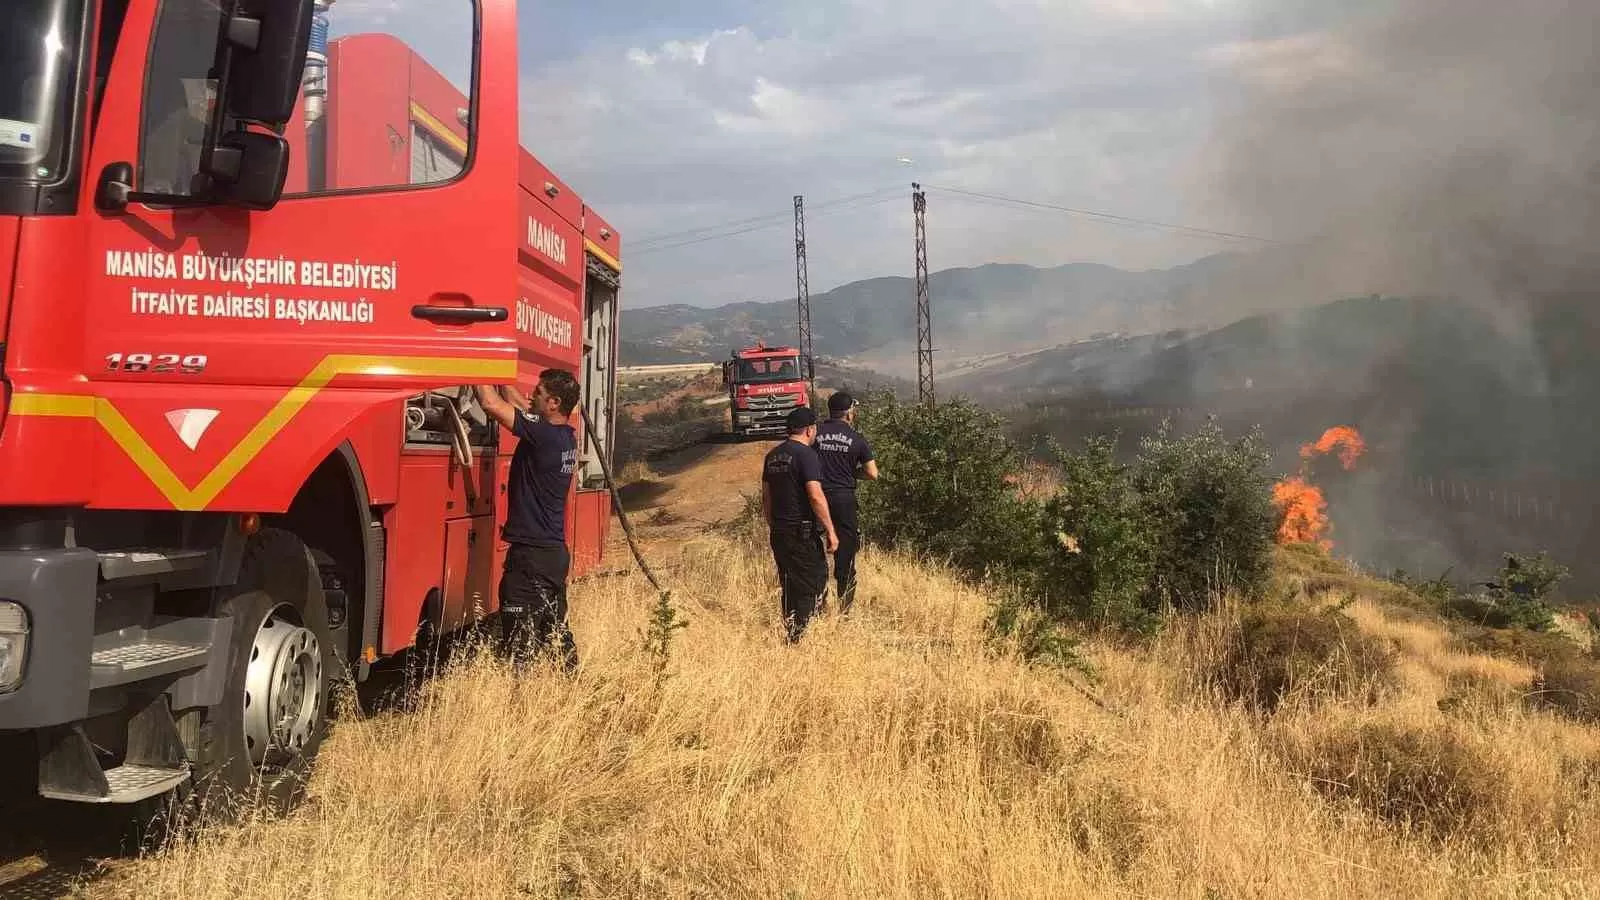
{"type": "Point", "coordinates": [1209, 504]}
{"type": "Point", "coordinates": [1188, 520]}
{"type": "Point", "coordinates": [1437, 594]}
{"type": "Point", "coordinates": [1118, 543]}
{"type": "Point", "coordinates": [1518, 597]}
{"type": "Point", "coordinates": [1096, 556]}
{"type": "Point", "coordinates": [944, 489]}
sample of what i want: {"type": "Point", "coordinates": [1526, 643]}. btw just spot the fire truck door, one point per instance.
{"type": "Point", "coordinates": [389, 266]}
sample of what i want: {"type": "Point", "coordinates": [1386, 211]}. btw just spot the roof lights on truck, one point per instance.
{"type": "Point", "coordinates": [13, 645]}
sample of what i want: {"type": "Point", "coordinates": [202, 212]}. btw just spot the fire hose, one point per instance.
{"type": "Point", "coordinates": [616, 503]}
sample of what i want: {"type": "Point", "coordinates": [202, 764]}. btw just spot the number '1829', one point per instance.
{"type": "Point", "coordinates": [156, 363]}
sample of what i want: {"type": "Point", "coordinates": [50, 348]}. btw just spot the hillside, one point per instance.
{"type": "Point", "coordinates": [901, 754]}
{"type": "Point", "coordinates": [1477, 421]}
{"type": "Point", "coordinates": [995, 309]}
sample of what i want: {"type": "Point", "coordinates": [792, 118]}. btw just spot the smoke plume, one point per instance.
{"type": "Point", "coordinates": [1428, 146]}
{"type": "Point", "coordinates": [1443, 148]}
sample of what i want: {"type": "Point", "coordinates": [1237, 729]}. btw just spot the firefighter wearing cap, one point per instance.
{"type": "Point", "coordinates": [800, 528]}
{"type": "Point", "coordinates": [845, 457]}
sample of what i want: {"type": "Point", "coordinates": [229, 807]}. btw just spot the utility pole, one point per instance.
{"type": "Point", "coordinates": [919, 207]}
{"type": "Point", "coordinates": [802, 287]}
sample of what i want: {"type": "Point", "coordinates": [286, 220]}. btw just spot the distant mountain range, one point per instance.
{"type": "Point", "coordinates": [981, 313]}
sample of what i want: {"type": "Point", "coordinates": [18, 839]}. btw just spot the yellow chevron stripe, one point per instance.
{"type": "Point", "coordinates": [438, 129]}
{"type": "Point", "coordinates": [601, 254]}
{"type": "Point", "coordinates": [69, 406]}
{"type": "Point", "coordinates": [250, 446]}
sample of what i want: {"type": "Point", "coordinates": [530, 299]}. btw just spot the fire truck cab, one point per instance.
{"type": "Point", "coordinates": [764, 384]}
{"type": "Point", "coordinates": [254, 256]}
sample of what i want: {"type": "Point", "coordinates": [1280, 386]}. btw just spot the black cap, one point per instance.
{"type": "Point", "coordinates": [840, 402]}
{"type": "Point", "coordinates": [800, 418]}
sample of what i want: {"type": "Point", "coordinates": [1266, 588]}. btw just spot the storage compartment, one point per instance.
{"type": "Point", "coordinates": [468, 571]}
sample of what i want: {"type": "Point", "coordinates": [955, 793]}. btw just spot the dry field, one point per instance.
{"type": "Point", "coordinates": [902, 754]}
{"type": "Point", "coordinates": [897, 754]}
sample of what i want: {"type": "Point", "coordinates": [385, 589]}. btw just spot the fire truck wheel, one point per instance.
{"type": "Point", "coordinates": [258, 743]}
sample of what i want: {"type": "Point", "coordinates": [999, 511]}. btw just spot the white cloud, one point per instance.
{"type": "Point", "coordinates": [1094, 103]}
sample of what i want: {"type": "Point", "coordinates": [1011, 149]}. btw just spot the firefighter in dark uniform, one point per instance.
{"type": "Point", "coordinates": [845, 457]}
{"type": "Point", "coordinates": [533, 586]}
{"type": "Point", "coordinates": [798, 523]}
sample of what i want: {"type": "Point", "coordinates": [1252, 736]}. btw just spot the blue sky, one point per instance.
{"type": "Point", "coordinates": [670, 118]}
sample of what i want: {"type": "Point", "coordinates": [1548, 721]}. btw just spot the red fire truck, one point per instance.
{"type": "Point", "coordinates": [763, 384]}
{"type": "Point", "coordinates": [248, 275]}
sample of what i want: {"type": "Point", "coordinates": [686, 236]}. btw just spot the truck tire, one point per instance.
{"type": "Point", "coordinates": [257, 744]}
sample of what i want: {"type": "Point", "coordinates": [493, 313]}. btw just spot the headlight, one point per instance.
{"type": "Point", "coordinates": [13, 645]}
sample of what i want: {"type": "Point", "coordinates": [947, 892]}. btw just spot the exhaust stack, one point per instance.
{"type": "Point", "coordinates": [315, 85]}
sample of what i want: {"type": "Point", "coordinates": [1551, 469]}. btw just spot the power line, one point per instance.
{"type": "Point", "coordinates": [784, 219]}
{"type": "Point", "coordinates": [754, 223]}
{"type": "Point", "coordinates": [689, 232]}
{"type": "Point", "coordinates": [752, 220]}
{"type": "Point", "coordinates": [1108, 217]}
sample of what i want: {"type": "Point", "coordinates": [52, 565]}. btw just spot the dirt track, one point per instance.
{"type": "Point", "coordinates": [688, 492]}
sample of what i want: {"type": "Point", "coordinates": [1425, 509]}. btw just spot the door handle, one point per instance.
{"type": "Point", "coordinates": [461, 314]}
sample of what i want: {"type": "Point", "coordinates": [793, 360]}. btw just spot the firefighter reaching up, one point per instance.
{"type": "Point", "coordinates": [533, 586]}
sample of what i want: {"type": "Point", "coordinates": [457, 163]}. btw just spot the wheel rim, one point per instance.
{"type": "Point", "coordinates": [283, 688]}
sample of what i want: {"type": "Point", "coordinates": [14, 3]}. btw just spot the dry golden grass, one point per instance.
{"type": "Point", "coordinates": [635, 471]}
{"type": "Point", "coordinates": [899, 755]}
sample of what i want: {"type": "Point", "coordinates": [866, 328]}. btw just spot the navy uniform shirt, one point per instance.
{"type": "Point", "coordinates": [541, 474]}
{"type": "Point", "coordinates": [786, 470]}
{"type": "Point", "coordinates": [841, 450]}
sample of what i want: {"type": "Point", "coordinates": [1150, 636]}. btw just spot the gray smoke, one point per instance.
{"type": "Point", "coordinates": [1430, 146]}
{"type": "Point", "coordinates": [1448, 148]}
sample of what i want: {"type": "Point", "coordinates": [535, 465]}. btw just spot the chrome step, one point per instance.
{"type": "Point", "coordinates": [127, 784]}
{"type": "Point", "coordinates": [144, 659]}
{"type": "Point", "coordinates": [168, 647]}
{"type": "Point", "coordinates": [144, 563]}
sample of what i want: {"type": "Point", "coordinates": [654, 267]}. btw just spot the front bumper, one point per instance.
{"type": "Point", "coordinates": [57, 589]}
{"type": "Point", "coordinates": [759, 421]}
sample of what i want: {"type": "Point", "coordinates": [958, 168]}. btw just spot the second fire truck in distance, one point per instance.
{"type": "Point", "coordinates": [763, 384]}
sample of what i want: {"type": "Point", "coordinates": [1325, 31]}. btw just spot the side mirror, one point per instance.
{"type": "Point", "coordinates": [250, 168]}
{"type": "Point", "coordinates": [114, 190]}
{"type": "Point", "coordinates": [268, 41]}
{"type": "Point", "coordinates": [247, 169]}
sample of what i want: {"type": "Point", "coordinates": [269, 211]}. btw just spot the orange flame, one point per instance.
{"type": "Point", "coordinates": [1304, 512]}
{"type": "Point", "coordinates": [1347, 439]}
{"type": "Point", "coordinates": [1300, 503]}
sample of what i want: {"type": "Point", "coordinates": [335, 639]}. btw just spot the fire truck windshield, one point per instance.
{"type": "Point", "coordinates": [38, 64]}
{"type": "Point", "coordinates": [781, 368]}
